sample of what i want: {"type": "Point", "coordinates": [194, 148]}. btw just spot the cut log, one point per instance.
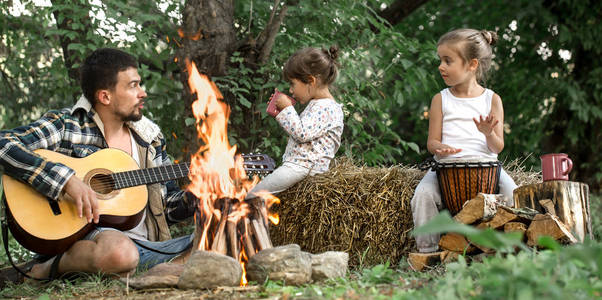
{"type": "Point", "coordinates": [548, 206]}
{"type": "Point", "coordinates": [419, 261]}
{"type": "Point", "coordinates": [481, 207]}
{"type": "Point", "coordinates": [449, 256]}
{"type": "Point", "coordinates": [525, 214]}
{"type": "Point", "coordinates": [515, 227]}
{"type": "Point", "coordinates": [456, 242]}
{"type": "Point", "coordinates": [234, 239]}
{"type": "Point", "coordinates": [219, 241]}
{"type": "Point", "coordinates": [224, 230]}
{"type": "Point", "coordinates": [484, 249]}
{"type": "Point", "coordinates": [262, 241]}
{"type": "Point", "coordinates": [247, 238]}
{"type": "Point", "coordinates": [571, 203]}
{"type": "Point", "coordinates": [551, 226]}
{"type": "Point", "coordinates": [502, 217]}
{"type": "Point", "coordinates": [472, 210]}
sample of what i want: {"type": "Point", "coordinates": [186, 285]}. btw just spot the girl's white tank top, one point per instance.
{"type": "Point", "coordinates": [459, 129]}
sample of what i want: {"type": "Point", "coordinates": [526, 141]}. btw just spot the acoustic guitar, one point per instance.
{"type": "Point", "coordinates": [50, 227]}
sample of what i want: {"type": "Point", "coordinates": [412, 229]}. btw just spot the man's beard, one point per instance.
{"type": "Point", "coordinates": [133, 117]}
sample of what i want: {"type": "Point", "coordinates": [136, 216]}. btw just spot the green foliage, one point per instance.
{"type": "Point", "coordinates": [368, 64]}
{"type": "Point", "coordinates": [551, 104]}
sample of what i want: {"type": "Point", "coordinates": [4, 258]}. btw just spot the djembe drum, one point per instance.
{"type": "Point", "coordinates": [461, 180]}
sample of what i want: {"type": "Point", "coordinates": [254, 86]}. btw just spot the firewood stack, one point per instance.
{"type": "Point", "coordinates": [230, 234]}
{"type": "Point", "coordinates": [484, 211]}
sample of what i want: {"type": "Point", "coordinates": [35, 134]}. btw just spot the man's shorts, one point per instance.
{"type": "Point", "coordinates": [149, 258]}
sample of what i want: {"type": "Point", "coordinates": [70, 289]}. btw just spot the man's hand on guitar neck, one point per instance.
{"type": "Point", "coordinates": [83, 197]}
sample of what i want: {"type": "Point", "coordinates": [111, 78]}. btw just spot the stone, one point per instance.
{"type": "Point", "coordinates": [165, 275]}
{"type": "Point", "coordinates": [206, 269]}
{"type": "Point", "coordinates": [286, 263]}
{"type": "Point", "coordinates": [330, 264]}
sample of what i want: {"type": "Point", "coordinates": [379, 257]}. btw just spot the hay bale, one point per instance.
{"type": "Point", "coordinates": [350, 208]}
{"type": "Point", "coordinates": [364, 211]}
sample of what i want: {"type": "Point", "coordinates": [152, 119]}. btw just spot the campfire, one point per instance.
{"type": "Point", "coordinates": [225, 222]}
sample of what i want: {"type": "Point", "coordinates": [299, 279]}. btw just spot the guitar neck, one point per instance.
{"type": "Point", "coordinates": [151, 175]}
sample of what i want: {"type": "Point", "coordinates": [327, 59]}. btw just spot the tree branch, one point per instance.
{"type": "Point", "coordinates": [398, 10]}
{"type": "Point", "coordinates": [263, 35]}
{"type": "Point", "coordinates": [272, 31]}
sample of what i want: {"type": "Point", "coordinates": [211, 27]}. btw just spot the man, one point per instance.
{"type": "Point", "coordinates": [108, 115]}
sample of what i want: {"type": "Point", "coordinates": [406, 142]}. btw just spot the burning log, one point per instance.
{"type": "Point", "coordinates": [247, 242]}
{"type": "Point", "coordinates": [233, 231]}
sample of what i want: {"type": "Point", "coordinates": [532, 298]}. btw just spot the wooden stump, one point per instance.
{"type": "Point", "coordinates": [570, 199]}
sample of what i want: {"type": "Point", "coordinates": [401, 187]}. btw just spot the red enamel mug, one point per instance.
{"type": "Point", "coordinates": [555, 166]}
{"type": "Point", "coordinates": [272, 110]}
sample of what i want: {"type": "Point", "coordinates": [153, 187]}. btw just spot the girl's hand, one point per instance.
{"type": "Point", "coordinates": [282, 101]}
{"type": "Point", "coordinates": [446, 150]}
{"type": "Point", "coordinates": [486, 125]}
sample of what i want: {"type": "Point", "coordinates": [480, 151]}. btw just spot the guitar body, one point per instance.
{"type": "Point", "coordinates": [33, 222]}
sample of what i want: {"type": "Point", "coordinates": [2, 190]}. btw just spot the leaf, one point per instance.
{"type": "Point", "coordinates": [414, 147]}
{"type": "Point", "coordinates": [189, 121]}
{"type": "Point", "coordinates": [548, 243]}
{"type": "Point", "coordinates": [245, 102]}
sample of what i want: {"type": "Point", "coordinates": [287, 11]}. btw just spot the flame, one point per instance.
{"type": "Point", "coordinates": [197, 36]}
{"type": "Point", "coordinates": [243, 279]}
{"type": "Point", "coordinates": [216, 172]}
{"type": "Point", "coordinates": [274, 218]}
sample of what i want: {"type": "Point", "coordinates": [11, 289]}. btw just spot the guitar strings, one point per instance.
{"type": "Point", "coordinates": [112, 182]}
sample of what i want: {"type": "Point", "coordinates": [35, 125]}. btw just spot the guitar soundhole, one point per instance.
{"type": "Point", "coordinates": [102, 184]}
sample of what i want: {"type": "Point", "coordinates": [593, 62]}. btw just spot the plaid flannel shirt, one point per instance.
{"type": "Point", "coordinates": [76, 132]}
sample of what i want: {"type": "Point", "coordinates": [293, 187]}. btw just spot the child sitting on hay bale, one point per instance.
{"type": "Point", "coordinates": [465, 121]}
{"type": "Point", "coordinates": [315, 134]}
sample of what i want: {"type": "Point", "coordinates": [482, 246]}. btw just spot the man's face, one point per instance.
{"type": "Point", "coordinates": [128, 96]}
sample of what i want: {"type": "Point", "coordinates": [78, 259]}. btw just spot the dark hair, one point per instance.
{"type": "Point", "coordinates": [100, 70]}
{"type": "Point", "coordinates": [473, 44]}
{"type": "Point", "coordinates": [320, 63]}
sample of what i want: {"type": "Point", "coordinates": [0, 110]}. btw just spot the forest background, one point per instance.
{"type": "Point", "coordinates": [547, 67]}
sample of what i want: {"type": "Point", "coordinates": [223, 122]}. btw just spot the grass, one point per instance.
{"type": "Point", "coordinates": [557, 273]}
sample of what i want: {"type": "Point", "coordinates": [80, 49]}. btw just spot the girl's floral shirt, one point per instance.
{"type": "Point", "coordinates": [314, 135]}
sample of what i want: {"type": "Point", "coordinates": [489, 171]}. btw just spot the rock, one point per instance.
{"type": "Point", "coordinates": [205, 269]}
{"type": "Point", "coordinates": [165, 269]}
{"type": "Point", "coordinates": [165, 275]}
{"type": "Point", "coordinates": [330, 264]}
{"type": "Point", "coordinates": [287, 263]}
{"type": "Point", "coordinates": [151, 281]}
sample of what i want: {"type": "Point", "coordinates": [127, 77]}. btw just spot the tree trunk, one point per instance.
{"type": "Point", "coordinates": [209, 39]}
{"type": "Point", "coordinates": [570, 199]}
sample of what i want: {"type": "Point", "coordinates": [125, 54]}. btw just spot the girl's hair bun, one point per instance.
{"type": "Point", "coordinates": [333, 52]}
{"type": "Point", "coordinates": [490, 37]}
